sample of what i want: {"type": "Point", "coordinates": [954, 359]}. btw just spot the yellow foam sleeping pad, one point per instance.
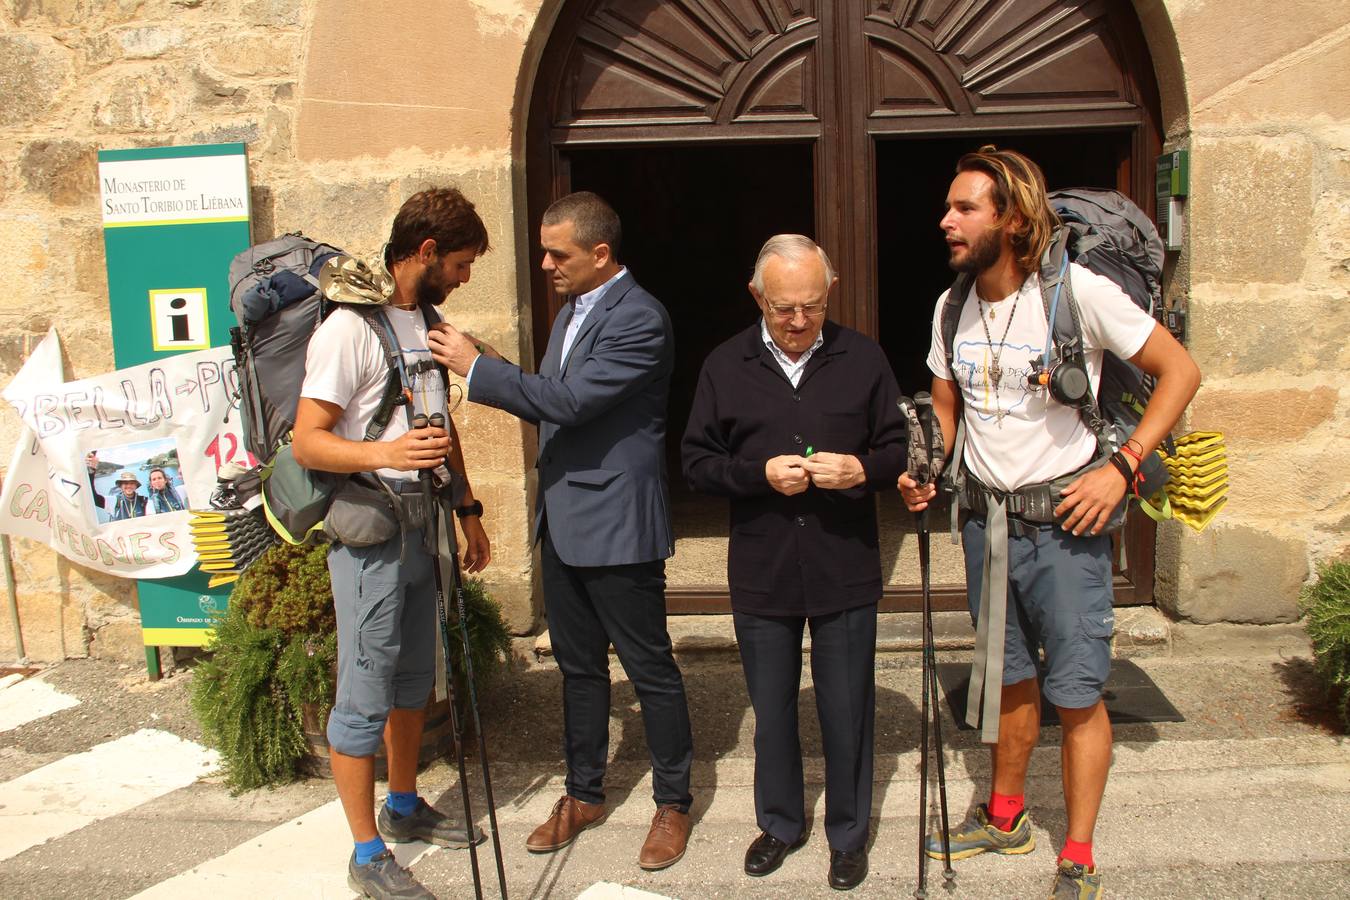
{"type": "Point", "coordinates": [1198, 486]}
{"type": "Point", "coordinates": [228, 541]}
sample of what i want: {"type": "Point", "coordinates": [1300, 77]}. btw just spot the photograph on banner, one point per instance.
{"type": "Point", "coordinates": [134, 480]}
{"type": "Point", "coordinates": [109, 466]}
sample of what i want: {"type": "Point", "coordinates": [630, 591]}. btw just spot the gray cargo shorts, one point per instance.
{"type": "Point", "coordinates": [386, 628]}
{"type": "Point", "coordinates": [1059, 599]}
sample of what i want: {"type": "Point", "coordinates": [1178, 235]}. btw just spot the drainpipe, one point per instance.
{"type": "Point", "coordinates": [13, 599]}
{"type": "Point", "coordinates": [7, 559]}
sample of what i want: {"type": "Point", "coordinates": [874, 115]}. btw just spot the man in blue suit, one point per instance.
{"type": "Point", "coordinates": [603, 517]}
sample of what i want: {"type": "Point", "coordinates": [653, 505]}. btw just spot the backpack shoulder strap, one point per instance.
{"type": "Point", "coordinates": [1061, 309]}
{"type": "Point", "coordinates": [1065, 324]}
{"type": "Point", "coordinates": [397, 389]}
{"type": "Point", "coordinates": [432, 317]}
{"type": "Point", "coordinates": [951, 317]}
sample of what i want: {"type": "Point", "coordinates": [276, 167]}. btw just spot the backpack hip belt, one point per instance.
{"type": "Point", "coordinates": [410, 503]}
{"type": "Point", "coordinates": [1032, 503]}
{"type": "Point", "coordinates": [414, 506]}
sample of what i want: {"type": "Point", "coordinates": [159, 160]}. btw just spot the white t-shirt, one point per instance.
{"type": "Point", "coordinates": [345, 365]}
{"type": "Point", "coordinates": [1018, 435]}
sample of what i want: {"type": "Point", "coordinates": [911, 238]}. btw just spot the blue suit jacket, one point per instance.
{"type": "Point", "coordinates": [602, 428]}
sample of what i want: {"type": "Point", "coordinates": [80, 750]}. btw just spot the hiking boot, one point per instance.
{"type": "Point", "coordinates": [1074, 881]}
{"type": "Point", "coordinates": [977, 834]}
{"type": "Point", "coordinates": [384, 879]}
{"type": "Point", "coordinates": [666, 840]}
{"type": "Point", "coordinates": [569, 818]}
{"type": "Point", "coordinates": [425, 823]}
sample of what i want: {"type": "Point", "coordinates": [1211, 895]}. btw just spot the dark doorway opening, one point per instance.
{"type": "Point", "coordinates": [693, 220]}
{"type": "Point", "coordinates": [912, 180]}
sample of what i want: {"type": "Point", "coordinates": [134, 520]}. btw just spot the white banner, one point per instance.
{"type": "Point", "coordinates": [107, 467]}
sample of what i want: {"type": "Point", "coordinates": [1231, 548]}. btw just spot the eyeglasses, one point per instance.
{"type": "Point", "coordinates": [810, 310]}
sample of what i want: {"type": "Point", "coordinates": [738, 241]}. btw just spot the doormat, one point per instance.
{"type": "Point", "coordinates": [1130, 695]}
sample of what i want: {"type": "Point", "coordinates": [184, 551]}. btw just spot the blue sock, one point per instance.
{"type": "Point", "coordinates": [368, 850]}
{"type": "Point", "coordinates": [401, 803]}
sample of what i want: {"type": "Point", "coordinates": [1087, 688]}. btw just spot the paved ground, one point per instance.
{"type": "Point", "coordinates": [103, 795]}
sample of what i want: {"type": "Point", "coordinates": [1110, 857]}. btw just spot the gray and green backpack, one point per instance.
{"type": "Point", "coordinates": [281, 291]}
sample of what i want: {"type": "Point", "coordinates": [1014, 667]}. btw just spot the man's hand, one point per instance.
{"type": "Point", "coordinates": [482, 346]}
{"type": "Point", "coordinates": [420, 448]}
{"type": "Point", "coordinates": [1090, 500]}
{"type": "Point", "coordinates": [834, 471]}
{"type": "Point", "coordinates": [916, 496]}
{"type": "Point", "coordinates": [786, 475]}
{"type": "Point", "coordinates": [477, 551]}
{"type": "Point", "coordinates": [451, 348]}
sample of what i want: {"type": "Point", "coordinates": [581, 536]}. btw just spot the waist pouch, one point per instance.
{"type": "Point", "coordinates": [365, 511]}
{"type": "Point", "coordinates": [1034, 503]}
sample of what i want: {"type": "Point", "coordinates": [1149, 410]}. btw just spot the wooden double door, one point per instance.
{"type": "Point", "coordinates": [712, 124]}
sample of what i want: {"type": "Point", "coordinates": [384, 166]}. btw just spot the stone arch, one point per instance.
{"type": "Point", "coordinates": [852, 80]}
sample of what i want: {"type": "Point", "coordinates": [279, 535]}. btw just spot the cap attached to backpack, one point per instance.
{"type": "Point", "coordinates": [346, 279]}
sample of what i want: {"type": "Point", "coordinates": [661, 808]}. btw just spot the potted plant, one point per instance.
{"type": "Point", "coordinates": [264, 696]}
{"type": "Point", "coordinates": [1326, 612]}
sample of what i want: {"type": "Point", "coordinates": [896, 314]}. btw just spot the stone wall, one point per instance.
{"type": "Point", "coordinates": [1265, 111]}
{"type": "Point", "coordinates": [349, 106]}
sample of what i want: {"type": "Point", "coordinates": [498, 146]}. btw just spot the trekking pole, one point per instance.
{"type": "Point", "coordinates": [477, 720]}
{"type": "Point", "coordinates": [936, 454]}
{"type": "Point", "coordinates": [918, 413]}
{"type": "Point", "coordinates": [473, 691]}
{"type": "Point", "coordinates": [432, 525]}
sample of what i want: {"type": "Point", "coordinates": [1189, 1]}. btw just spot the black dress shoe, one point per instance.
{"type": "Point", "coordinates": [767, 853]}
{"type": "Point", "coordinates": [848, 868]}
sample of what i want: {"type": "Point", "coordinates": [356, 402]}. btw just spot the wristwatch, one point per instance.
{"type": "Point", "coordinates": [473, 509]}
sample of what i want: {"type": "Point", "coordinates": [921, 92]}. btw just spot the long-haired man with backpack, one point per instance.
{"type": "Point", "coordinates": [1044, 569]}
{"type": "Point", "coordinates": [385, 593]}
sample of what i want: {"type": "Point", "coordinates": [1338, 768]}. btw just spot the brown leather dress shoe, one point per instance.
{"type": "Point", "coordinates": [667, 839]}
{"type": "Point", "coordinates": [569, 818]}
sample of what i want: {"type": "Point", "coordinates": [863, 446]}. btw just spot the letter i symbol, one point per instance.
{"type": "Point", "coordinates": [180, 325]}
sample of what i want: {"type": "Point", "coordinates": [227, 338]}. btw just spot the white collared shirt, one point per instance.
{"type": "Point", "coordinates": [581, 307]}
{"type": "Point", "coordinates": [793, 370]}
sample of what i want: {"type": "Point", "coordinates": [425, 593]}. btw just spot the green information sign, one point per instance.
{"type": "Point", "coordinates": [173, 218]}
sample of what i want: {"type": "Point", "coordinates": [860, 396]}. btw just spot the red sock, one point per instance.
{"type": "Point", "coordinates": [1003, 809]}
{"type": "Point", "coordinates": [1076, 852]}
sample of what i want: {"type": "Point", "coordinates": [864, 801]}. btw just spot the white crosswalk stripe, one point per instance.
{"type": "Point", "coordinates": [30, 700]}
{"type": "Point", "coordinates": [85, 787]}
{"type": "Point", "coordinates": [305, 857]}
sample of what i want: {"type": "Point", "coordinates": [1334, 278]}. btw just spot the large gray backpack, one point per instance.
{"type": "Point", "coordinates": [274, 293]}
{"type": "Point", "coordinates": [1106, 233]}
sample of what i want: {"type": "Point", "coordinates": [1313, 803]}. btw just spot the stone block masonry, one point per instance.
{"type": "Point", "coordinates": [349, 106]}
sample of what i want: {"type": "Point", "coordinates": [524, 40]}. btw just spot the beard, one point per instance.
{"type": "Point", "coordinates": [981, 254]}
{"type": "Point", "coordinates": [431, 290]}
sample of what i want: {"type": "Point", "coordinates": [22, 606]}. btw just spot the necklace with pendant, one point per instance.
{"type": "Point", "coordinates": [995, 371]}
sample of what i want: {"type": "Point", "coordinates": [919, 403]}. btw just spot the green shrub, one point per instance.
{"type": "Point", "coordinates": [288, 588]}
{"type": "Point", "coordinates": [1326, 611]}
{"type": "Point", "coordinates": [246, 709]}
{"type": "Point", "coordinates": [275, 651]}
{"type": "Point", "coordinates": [489, 639]}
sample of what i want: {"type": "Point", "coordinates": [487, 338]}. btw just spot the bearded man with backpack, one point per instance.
{"type": "Point", "coordinates": [384, 593]}
{"type": "Point", "coordinates": [1039, 489]}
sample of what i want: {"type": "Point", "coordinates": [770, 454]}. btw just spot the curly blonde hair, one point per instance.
{"type": "Point", "coordinates": [1019, 193]}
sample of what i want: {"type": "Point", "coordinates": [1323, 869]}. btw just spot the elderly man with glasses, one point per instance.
{"type": "Point", "coordinates": [795, 421]}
